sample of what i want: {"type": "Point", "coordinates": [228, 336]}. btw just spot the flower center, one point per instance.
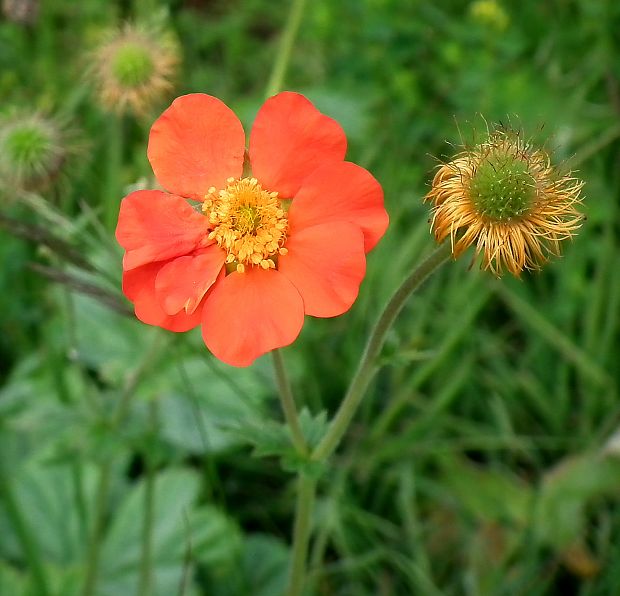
{"type": "Point", "coordinates": [248, 223]}
{"type": "Point", "coordinates": [132, 65]}
{"type": "Point", "coordinates": [28, 145]}
{"type": "Point", "coordinates": [502, 187]}
{"type": "Point", "coordinates": [30, 153]}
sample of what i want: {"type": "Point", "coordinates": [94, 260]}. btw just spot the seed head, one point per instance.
{"type": "Point", "coordinates": [32, 151]}
{"type": "Point", "coordinates": [504, 197]}
{"type": "Point", "coordinates": [133, 69]}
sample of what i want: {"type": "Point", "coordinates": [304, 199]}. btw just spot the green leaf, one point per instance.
{"type": "Point", "coordinates": [567, 490]}
{"type": "Point", "coordinates": [46, 498]}
{"type": "Point", "coordinates": [12, 582]}
{"type": "Point", "coordinates": [273, 439]}
{"type": "Point", "coordinates": [263, 569]}
{"type": "Point", "coordinates": [199, 403]}
{"type": "Point", "coordinates": [488, 494]}
{"type": "Point", "coordinates": [313, 427]}
{"type": "Point", "coordinates": [110, 343]}
{"type": "Point", "coordinates": [179, 529]}
{"type": "Point", "coordinates": [269, 438]}
{"type": "Point", "coordinates": [35, 421]}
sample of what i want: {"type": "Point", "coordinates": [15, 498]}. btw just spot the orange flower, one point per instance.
{"type": "Point", "coordinates": [247, 255]}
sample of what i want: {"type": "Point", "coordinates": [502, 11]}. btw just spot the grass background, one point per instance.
{"type": "Point", "coordinates": [483, 461]}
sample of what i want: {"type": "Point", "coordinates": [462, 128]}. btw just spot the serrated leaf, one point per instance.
{"type": "Point", "coordinates": [109, 342]}
{"type": "Point", "coordinates": [313, 427]}
{"type": "Point", "coordinates": [271, 438]}
{"type": "Point", "coordinates": [175, 493]}
{"type": "Point", "coordinates": [268, 438]}
{"type": "Point", "coordinates": [178, 528]}
{"type": "Point", "coordinates": [199, 404]}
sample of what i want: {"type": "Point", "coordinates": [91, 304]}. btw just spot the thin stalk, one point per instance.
{"type": "Point", "coordinates": [94, 545]}
{"type": "Point", "coordinates": [27, 542]}
{"type": "Point", "coordinates": [592, 148]}
{"type": "Point", "coordinates": [287, 402]}
{"type": "Point", "coordinates": [145, 586]}
{"type": "Point", "coordinates": [283, 56]}
{"type": "Point", "coordinates": [562, 342]}
{"type": "Point", "coordinates": [367, 366]}
{"type": "Point", "coordinates": [114, 162]}
{"type": "Point", "coordinates": [306, 490]}
{"type": "Point", "coordinates": [105, 473]}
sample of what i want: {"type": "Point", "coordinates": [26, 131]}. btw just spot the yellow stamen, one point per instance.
{"type": "Point", "coordinates": [248, 223]}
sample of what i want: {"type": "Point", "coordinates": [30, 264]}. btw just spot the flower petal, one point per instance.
{"type": "Point", "coordinates": [341, 191]}
{"type": "Point", "coordinates": [248, 314]}
{"type": "Point", "coordinates": [182, 283]}
{"type": "Point", "coordinates": [289, 139]}
{"type": "Point", "coordinates": [326, 264]}
{"type": "Point", "coordinates": [139, 287]}
{"type": "Point", "coordinates": [198, 142]}
{"type": "Point", "coordinates": [156, 226]}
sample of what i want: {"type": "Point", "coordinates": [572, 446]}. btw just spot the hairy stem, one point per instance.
{"type": "Point", "coordinates": [288, 403]}
{"type": "Point", "coordinates": [283, 56]}
{"type": "Point", "coordinates": [306, 489]}
{"type": "Point", "coordinates": [145, 586]}
{"type": "Point", "coordinates": [367, 366]}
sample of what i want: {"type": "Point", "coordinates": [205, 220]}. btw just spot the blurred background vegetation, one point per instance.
{"type": "Point", "coordinates": [486, 457]}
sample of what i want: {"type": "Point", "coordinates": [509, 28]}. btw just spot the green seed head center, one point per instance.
{"type": "Point", "coordinates": [247, 219]}
{"type": "Point", "coordinates": [132, 65]}
{"type": "Point", "coordinates": [27, 146]}
{"type": "Point", "coordinates": [502, 187]}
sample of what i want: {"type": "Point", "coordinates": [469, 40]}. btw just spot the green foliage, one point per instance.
{"type": "Point", "coordinates": [179, 529]}
{"type": "Point", "coordinates": [273, 439]}
{"type": "Point", "coordinates": [477, 464]}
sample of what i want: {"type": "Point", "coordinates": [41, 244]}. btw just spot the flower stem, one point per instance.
{"type": "Point", "coordinates": [306, 489]}
{"type": "Point", "coordinates": [114, 162]}
{"type": "Point", "coordinates": [145, 585]}
{"type": "Point", "coordinates": [278, 71]}
{"type": "Point", "coordinates": [288, 403]}
{"type": "Point", "coordinates": [592, 148]}
{"type": "Point", "coordinates": [367, 366]}
{"type": "Point", "coordinates": [94, 545]}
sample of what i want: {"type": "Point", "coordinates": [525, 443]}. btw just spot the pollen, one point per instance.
{"type": "Point", "coordinates": [248, 222]}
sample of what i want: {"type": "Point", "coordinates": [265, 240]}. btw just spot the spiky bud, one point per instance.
{"type": "Point", "coordinates": [504, 197]}
{"type": "Point", "coordinates": [32, 151]}
{"type": "Point", "coordinates": [133, 69]}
